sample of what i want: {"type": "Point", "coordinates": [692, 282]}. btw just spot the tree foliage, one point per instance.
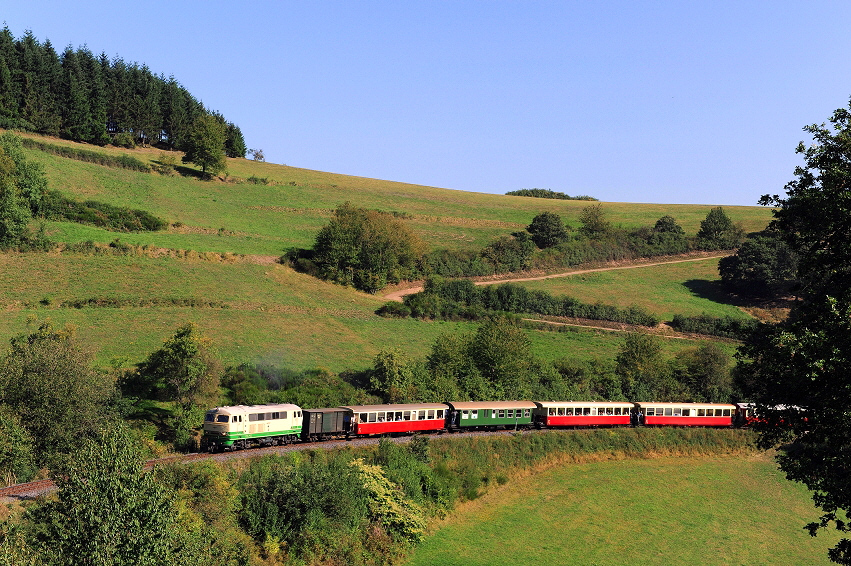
{"type": "Point", "coordinates": [109, 511]}
{"type": "Point", "coordinates": [763, 265]}
{"type": "Point", "coordinates": [367, 249]}
{"type": "Point", "coordinates": [717, 231]}
{"type": "Point", "coordinates": [797, 371]}
{"type": "Point", "coordinates": [48, 380]}
{"type": "Point", "coordinates": [23, 186]}
{"type": "Point", "coordinates": [90, 98]}
{"type": "Point", "coordinates": [205, 144]}
{"type": "Point", "coordinates": [547, 229]}
{"type": "Point", "coordinates": [594, 222]}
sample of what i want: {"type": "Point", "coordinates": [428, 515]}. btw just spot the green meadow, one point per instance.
{"type": "Point", "coordinates": [688, 288]}
{"type": "Point", "coordinates": [255, 309]}
{"type": "Point", "coordinates": [676, 510]}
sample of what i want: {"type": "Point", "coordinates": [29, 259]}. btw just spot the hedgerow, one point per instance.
{"type": "Point", "coordinates": [725, 327]}
{"type": "Point", "coordinates": [462, 299]}
{"type": "Point", "coordinates": [122, 161]}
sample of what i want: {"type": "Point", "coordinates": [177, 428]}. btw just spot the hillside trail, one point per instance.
{"type": "Point", "coordinates": [398, 294]}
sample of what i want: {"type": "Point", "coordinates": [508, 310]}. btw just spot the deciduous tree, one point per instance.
{"type": "Point", "coordinates": [547, 229]}
{"type": "Point", "coordinates": [797, 371]}
{"type": "Point", "coordinates": [205, 144]}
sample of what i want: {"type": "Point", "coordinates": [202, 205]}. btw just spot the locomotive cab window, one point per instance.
{"type": "Point", "coordinates": [222, 419]}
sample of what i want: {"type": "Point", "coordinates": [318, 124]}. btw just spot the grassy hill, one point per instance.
{"type": "Point", "coordinates": [256, 309]}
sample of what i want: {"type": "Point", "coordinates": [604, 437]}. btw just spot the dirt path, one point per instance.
{"type": "Point", "coordinates": [398, 294]}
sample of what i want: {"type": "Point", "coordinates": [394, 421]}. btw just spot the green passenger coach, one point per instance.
{"type": "Point", "coordinates": [240, 426]}
{"type": "Point", "coordinates": [468, 415]}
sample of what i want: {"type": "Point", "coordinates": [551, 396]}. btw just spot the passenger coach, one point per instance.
{"type": "Point", "coordinates": [469, 415]}
{"type": "Point", "coordinates": [686, 414]}
{"type": "Point", "coordinates": [401, 419]}
{"type": "Point", "coordinates": [582, 413]}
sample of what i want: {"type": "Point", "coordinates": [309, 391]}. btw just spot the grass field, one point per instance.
{"type": "Point", "coordinates": [259, 312]}
{"type": "Point", "coordinates": [267, 311]}
{"type": "Point", "coordinates": [688, 288]}
{"type": "Point", "coordinates": [266, 219]}
{"type": "Point", "coordinates": [711, 510]}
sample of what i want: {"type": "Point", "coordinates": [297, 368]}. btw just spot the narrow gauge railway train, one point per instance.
{"type": "Point", "coordinates": [238, 427]}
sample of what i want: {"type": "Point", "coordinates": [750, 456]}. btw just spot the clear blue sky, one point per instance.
{"type": "Point", "coordinates": [652, 101]}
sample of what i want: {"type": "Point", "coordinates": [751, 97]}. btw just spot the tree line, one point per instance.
{"type": "Point", "coordinates": [91, 98]}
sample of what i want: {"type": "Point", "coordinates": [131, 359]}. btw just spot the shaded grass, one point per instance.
{"type": "Point", "coordinates": [729, 510]}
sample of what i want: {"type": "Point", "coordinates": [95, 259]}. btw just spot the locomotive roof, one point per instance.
{"type": "Point", "coordinates": [491, 404]}
{"type": "Point", "coordinates": [243, 409]}
{"type": "Point", "coordinates": [397, 407]}
{"type": "Point", "coordinates": [547, 404]}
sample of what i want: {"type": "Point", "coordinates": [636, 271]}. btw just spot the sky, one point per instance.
{"type": "Point", "coordinates": [691, 102]}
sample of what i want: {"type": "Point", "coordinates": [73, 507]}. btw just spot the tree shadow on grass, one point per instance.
{"type": "Point", "coordinates": [716, 292]}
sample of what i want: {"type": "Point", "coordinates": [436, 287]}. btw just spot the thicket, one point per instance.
{"type": "Point", "coordinates": [462, 299]}
{"type": "Point", "coordinates": [56, 206]}
{"type": "Point", "coordinates": [546, 193]}
{"type": "Point", "coordinates": [764, 265]}
{"type": "Point", "coordinates": [89, 98]}
{"type": "Point", "coordinates": [725, 327]}
{"type": "Point", "coordinates": [118, 161]}
{"type": "Point", "coordinates": [364, 248]}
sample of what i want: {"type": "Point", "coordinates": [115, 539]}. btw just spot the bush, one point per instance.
{"type": "Point", "coordinates": [118, 218]}
{"type": "Point", "coordinates": [726, 327]}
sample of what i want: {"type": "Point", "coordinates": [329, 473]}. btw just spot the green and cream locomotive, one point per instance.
{"type": "Point", "coordinates": [240, 426]}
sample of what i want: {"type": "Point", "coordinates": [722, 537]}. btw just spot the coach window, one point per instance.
{"type": "Point", "coordinates": [617, 411]}
{"type": "Point", "coordinates": [440, 413]}
{"type": "Point", "coordinates": [465, 414]}
{"type": "Point", "coordinates": [726, 412]}
{"type": "Point", "coordinates": [283, 414]}
{"type": "Point", "coordinates": [380, 416]}
{"type": "Point", "coordinates": [373, 417]}
{"type": "Point", "coordinates": [551, 412]}
{"type": "Point", "coordinates": [677, 411]}
{"type": "Point", "coordinates": [398, 416]}
{"type": "Point", "coordinates": [474, 414]}
{"type": "Point", "coordinates": [407, 415]}
{"type": "Point", "coordinates": [422, 415]}
{"type": "Point", "coordinates": [363, 417]}
{"type": "Point", "coordinates": [701, 412]}
{"type": "Point", "coordinates": [669, 411]}
{"type": "Point", "coordinates": [526, 413]}
{"type": "Point", "coordinates": [502, 413]}
{"type": "Point", "coordinates": [510, 414]}
{"type": "Point", "coordinates": [431, 414]}
{"type": "Point", "coordinates": [561, 411]}
{"type": "Point", "coordinates": [586, 411]}
{"type": "Point", "coordinates": [686, 412]}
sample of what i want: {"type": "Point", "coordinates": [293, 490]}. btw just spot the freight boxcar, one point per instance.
{"type": "Point", "coordinates": [323, 424]}
{"type": "Point", "coordinates": [582, 413]}
{"type": "Point", "coordinates": [365, 420]}
{"type": "Point", "coordinates": [685, 414]}
{"type": "Point", "coordinates": [467, 415]}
